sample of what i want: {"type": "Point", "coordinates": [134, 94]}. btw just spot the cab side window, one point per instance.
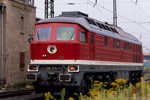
{"type": "Point", "coordinates": [125, 45]}
{"type": "Point", "coordinates": [92, 39]}
{"type": "Point", "coordinates": [118, 43]}
{"type": "Point", "coordinates": [114, 43]}
{"type": "Point", "coordinates": [82, 37]}
{"type": "Point", "coordinates": [105, 41]}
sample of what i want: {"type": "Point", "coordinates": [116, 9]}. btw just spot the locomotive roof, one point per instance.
{"type": "Point", "coordinates": [96, 27]}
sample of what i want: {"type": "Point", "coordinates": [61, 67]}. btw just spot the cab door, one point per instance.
{"type": "Point", "coordinates": [84, 46]}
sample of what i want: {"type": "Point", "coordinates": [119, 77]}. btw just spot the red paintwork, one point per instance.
{"type": "Point", "coordinates": [77, 50]}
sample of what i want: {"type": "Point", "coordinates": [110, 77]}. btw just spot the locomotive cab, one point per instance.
{"type": "Point", "coordinates": [57, 41]}
{"type": "Point", "coordinates": [55, 49]}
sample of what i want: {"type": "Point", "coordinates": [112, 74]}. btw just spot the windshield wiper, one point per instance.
{"type": "Point", "coordinates": [71, 36]}
{"type": "Point", "coordinates": [38, 36]}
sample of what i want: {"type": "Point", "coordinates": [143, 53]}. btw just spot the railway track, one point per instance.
{"type": "Point", "coordinates": [20, 95]}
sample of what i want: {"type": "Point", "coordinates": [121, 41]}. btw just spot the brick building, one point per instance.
{"type": "Point", "coordinates": [17, 22]}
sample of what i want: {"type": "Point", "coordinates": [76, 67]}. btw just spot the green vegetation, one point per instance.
{"type": "Point", "coordinates": [118, 91]}
{"type": "Point", "coordinates": [140, 91]}
{"type": "Point", "coordinates": [146, 68]}
{"type": "Point", "coordinates": [1, 87]}
{"type": "Point", "coordinates": [48, 96]}
{"type": "Point", "coordinates": [62, 94]}
{"type": "Point", "coordinates": [17, 86]}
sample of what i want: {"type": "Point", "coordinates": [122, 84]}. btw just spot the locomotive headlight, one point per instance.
{"type": "Point", "coordinates": [33, 68]}
{"type": "Point", "coordinates": [73, 68]}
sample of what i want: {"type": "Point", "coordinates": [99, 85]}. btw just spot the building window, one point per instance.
{"type": "Point", "coordinates": [82, 36]}
{"type": "Point", "coordinates": [22, 24]}
{"type": "Point", "coordinates": [114, 43]}
{"type": "Point", "coordinates": [105, 41]}
{"type": "Point", "coordinates": [22, 60]}
{"type": "Point", "coordinates": [22, 0]}
{"type": "Point", "coordinates": [31, 2]}
{"type": "Point", "coordinates": [118, 43]}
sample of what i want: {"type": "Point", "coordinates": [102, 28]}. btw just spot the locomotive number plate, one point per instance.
{"type": "Point", "coordinates": [53, 68]}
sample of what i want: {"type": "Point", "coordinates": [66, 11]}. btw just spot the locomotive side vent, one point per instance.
{"type": "Point", "coordinates": [101, 26]}
{"type": "Point", "coordinates": [74, 14]}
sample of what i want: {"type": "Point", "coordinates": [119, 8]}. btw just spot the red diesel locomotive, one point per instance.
{"type": "Point", "coordinates": [72, 50]}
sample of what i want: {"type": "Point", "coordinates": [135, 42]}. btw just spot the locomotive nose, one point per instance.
{"type": "Point", "coordinates": [55, 51]}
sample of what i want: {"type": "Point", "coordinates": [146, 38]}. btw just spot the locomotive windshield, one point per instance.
{"type": "Point", "coordinates": [65, 33]}
{"type": "Point", "coordinates": [43, 34]}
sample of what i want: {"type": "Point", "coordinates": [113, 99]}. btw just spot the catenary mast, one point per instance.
{"type": "Point", "coordinates": [114, 13]}
{"type": "Point", "coordinates": [49, 8]}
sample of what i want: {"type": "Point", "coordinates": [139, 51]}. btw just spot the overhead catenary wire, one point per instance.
{"type": "Point", "coordinates": [143, 12]}
{"type": "Point", "coordinates": [98, 5]}
{"type": "Point", "coordinates": [136, 1]}
{"type": "Point", "coordinates": [95, 3]}
{"type": "Point", "coordinates": [141, 9]}
{"type": "Point", "coordinates": [103, 2]}
{"type": "Point", "coordinates": [99, 11]}
{"type": "Point", "coordinates": [121, 16]}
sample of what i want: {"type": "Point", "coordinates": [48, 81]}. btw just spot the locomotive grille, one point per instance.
{"type": "Point", "coordinates": [53, 68]}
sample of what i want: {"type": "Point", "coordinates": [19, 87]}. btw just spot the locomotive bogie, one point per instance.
{"type": "Point", "coordinates": [62, 73]}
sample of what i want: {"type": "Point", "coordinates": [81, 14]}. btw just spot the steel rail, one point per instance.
{"type": "Point", "coordinates": [26, 97]}
{"type": "Point", "coordinates": [15, 93]}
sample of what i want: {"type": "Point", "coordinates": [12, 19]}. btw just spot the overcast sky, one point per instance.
{"type": "Point", "coordinates": [133, 17]}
